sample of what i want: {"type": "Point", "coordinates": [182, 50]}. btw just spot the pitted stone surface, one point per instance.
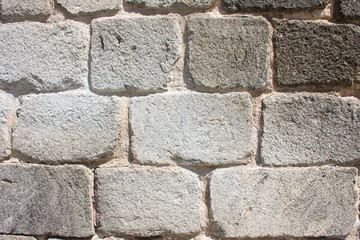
{"type": "Point", "coordinates": [316, 52]}
{"type": "Point", "coordinates": [310, 128]}
{"type": "Point", "coordinates": [14, 237]}
{"type": "Point", "coordinates": [172, 4]}
{"type": "Point", "coordinates": [136, 53]}
{"type": "Point", "coordinates": [192, 128]}
{"type": "Point", "coordinates": [44, 200]}
{"type": "Point", "coordinates": [148, 202]}
{"type": "Point", "coordinates": [89, 6]}
{"type": "Point", "coordinates": [17, 9]}
{"type": "Point", "coordinates": [349, 8]}
{"type": "Point", "coordinates": [229, 52]}
{"type": "Point", "coordinates": [293, 202]}
{"type": "Point", "coordinates": [8, 105]}
{"type": "Point", "coordinates": [67, 127]}
{"type": "Point", "coordinates": [37, 57]}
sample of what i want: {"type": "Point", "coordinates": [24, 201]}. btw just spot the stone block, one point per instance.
{"type": "Point", "coordinates": [85, 7]}
{"type": "Point", "coordinates": [228, 52]}
{"type": "Point", "coordinates": [172, 4]}
{"type": "Point", "coordinates": [14, 237]}
{"type": "Point", "coordinates": [316, 52]}
{"type": "Point", "coordinates": [283, 202]}
{"type": "Point", "coordinates": [44, 200]}
{"type": "Point", "coordinates": [148, 202]}
{"type": "Point", "coordinates": [67, 127]}
{"type": "Point", "coordinates": [19, 9]}
{"type": "Point", "coordinates": [8, 105]}
{"type": "Point", "coordinates": [134, 53]}
{"type": "Point", "coordinates": [192, 128]}
{"type": "Point", "coordinates": [37, 57]}
{"type": "Point", "coordinates": [349, 8]}
{"type": "Point", "coordinates": [310, 129]}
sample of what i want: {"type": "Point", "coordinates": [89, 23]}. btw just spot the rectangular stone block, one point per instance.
{"type": "Point", "coordinates": [349, 8]}
{"type": "Point", "coordinates": [14, 237]}
{"type": "Point", "coordinates": [316, 52]}
{"type": "Point", "coordinates": [84, 7]}
{"type": "Point", "coordinates": [19, 9]}
{"type": "Point", "coordinates": [192, 128]}
{"type": "Point", "coordinates": [134, 53]}
{"type": "Point", "coordinates": [172, 4]}
{"type": "Point", "coordinates": [148, 202]}
{"type": "Point", "coordinates": [228, 52]}
{"type": "Point", "coordinates": [310, 129]}
{"type": "Point", "coordinates": [283, 202]}
{"type": "Point", "coordinates": [44, 200]}
{"type": "Point", "coordinates": [37, 57]}
{"type": "Point", "coordinates": [8, 105]}
{"type": "Point", "coordinates": [67, 127]}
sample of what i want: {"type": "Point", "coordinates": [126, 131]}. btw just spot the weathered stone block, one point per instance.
{"type": "Point", "coordinates": [37, 57]}
{"type": "Point", "coordinates": [14, 237]}
{"type": "Point", "coordinates": [293, 202]}
{"type": "Point", "coordinates": [229, 52]}
{"type": "Point", "coordinates": [89, 6]}
{"type": "Point", "coordinates": [67, 127]}
{"type": "Point", "coordinates": [310, 128]}
{"type": "Point", "coordinates": [268, 5]}
{"type": "Point", "coordinates": [17, 9]}
{"type": "Point", "coordinates": [8, 105]}
{"type": "Point", "coordinates": [316, 52]}
{"type": "Point", "coordinates": [172, 4]}
{"type": "Point", "coordinates": [192, 128]}
{"type": "Point", "coordinates": [148, 202]}
{"type": "Point", "coordinates": [44, 200]}
{"type": "Point", "coordinates": [136, 53]}
{"type": "Point", "coordinates": [349, 8]}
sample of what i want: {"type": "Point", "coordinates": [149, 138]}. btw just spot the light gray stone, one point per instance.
{"type": "Point", "coordinates": [37, 57]}
{"type": "Point", "coordinates": [8, 105]}
{"type": "Point", "coordinates": [229, 52]}
{"type": "Point", "coordinates": [192, 128]}
{"type": "Point", "coordinates": [44, 200]}
{"type": "Point", "coordinates": [18, 9]}
{"type": "Point", "coordinates": [148, 202]}
{"type": "Point", "coordinates": [134, 53]}
{"type": "Point", "coordinates": [84, 7]}
{"type": "Point", "coordinates": [349, 8]}
{"type": "Point", "coordinates": [310, 129]}
{"type": "Point", "coordinates": [67, 127]}
{"type": "Point", "coordinates": [172, 4]}
{"type": "Point", "coordinates": [283, 202]}
{"type": "Point", "coordinates": [14, 237]}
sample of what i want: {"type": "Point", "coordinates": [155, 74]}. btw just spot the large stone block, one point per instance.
{"type": "Point", "coordinates": [37, 57]}
{"type": "Point", "coordinates": [148, 202]}
{"type": "Point", "coordinates": [192, 128]}
{"type": "Point", "coordinates": [8, 105]}
{"type": "Point", "coordinates": [134, 53]}
{"type": "Point", "coordinates": [44, 200]}
{"type": "Point", "coordinates": [18, 9]}
{"type": "Point", "coordinates": [89, 6]}
{"type": "Point", "coordinates": [229, 52]}
{"type": "Point", "coordinates": [292, 202]}
{"type": "Point", "coordinates": [316, 52]}
{"type": "Point", "coordinates": [67, 127]}
{"type": "Point", "coordinates": [172, 4]}
{"type": "Point", "coordinates": [310, 129]}
{"type": "Point", "coordinates": [349, 8]}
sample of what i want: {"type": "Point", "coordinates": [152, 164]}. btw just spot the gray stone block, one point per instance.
{"type": "Point", "coordinates": [310, 129]}
{"type": "Point", "coordinates": [67, 127]}
{"type": "Point", "coordinates": [19, 9]}
{"type": "Point", "coordinates": [134, 53]}
{"type": "Point", "coordinates": [316, 52]}
{"type": "Point", "coordinates": [228, 52]}
{"type": "Point", "coordinates": [14, 237]}
{"type": "Point", "coordinates": [37, 57]}
{"type": "Point", "coordinates": [148, 202]}
{"type": "Point", "coordinates": [89, 6]}
{"type": "Point", "coordinates": [349, 8]}
{"type": "Point", "coordinates": [8, 105]}
{"type": "Point", "coordinates": [44, 200]}
{"type": "Point", "coordinates": [283, 202]}
{"type": "Point", "coordinates": [172, 4]}
{"type": "Point", "coordinates": [192, 128]}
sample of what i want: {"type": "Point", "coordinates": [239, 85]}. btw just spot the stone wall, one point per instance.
{"type": "Point", "coordinates": [179, 119]}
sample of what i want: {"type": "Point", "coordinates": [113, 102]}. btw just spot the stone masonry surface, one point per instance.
{"type": "Point", "coordinates": [192, 128]}
{"type": "Point", "coordinates": [349, 8]}
{"type": "Point", "coordinates": [14, 237]}
{"type": "Point", "coordinates": [89, 6]}
{"type": "Point", "coordinates": [12, 9]}
{"type": "Point", "coordinates": [8, 105]}
{"type": "Point", "coordinates": [172, 4]}
{"type": "Point", "coordinates": [294, 202]}
{"type": "Point", "coordinates": [44, 200]}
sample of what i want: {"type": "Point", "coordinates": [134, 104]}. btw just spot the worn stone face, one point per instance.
{"type": "Point", "coordinates": [172, 4]}
{"type": "Point", "coordinates": [293, 202]}
{"type": "Point", "coordinates": [14, 237]}
{"type": "Point", "coordinates": [192, 128]}
{"type": "Point", "coordinates": [136, 53]}
{"type": "Point", "coordinates": [44, 200]}
{"type": "Point", "coordinates": [17, 9]}
{"type": "Point", "coordinates": [148, 202]}
{"type": "Point", "coordinates": [310, 128]}
{"type": "Point", "coordinates": [38, 57]}
{"type": "Point", "coordinates": [8, 106]}
{"type": "Point", "coordinates": [316, 52]}
{"type": "Point", "coordinates": [89, 6]}
{"type": "Point", "coordinates": [229, 52]}
{"type": "Point", "coordinates": [67, 127]}
{"type": "Point", "coordinates": [349, 8]}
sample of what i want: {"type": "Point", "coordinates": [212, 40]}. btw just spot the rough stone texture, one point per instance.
{"type": "Point", "coordinates": [229, 52]}
{"type": "Point", "coordinates": [310, 129]}
{"type": "Point", "coordinates": [44, 200]}
{"type": "Point", "coordinates": [349, 8]}
{"type": "Point", "coordinates": [172, 4]}
{"type": "Point", "coordinates": [316, 52]}
{"type": "Point", "coordinates": [38, 57]}
{"type": "Point", "coordinates": [294, 202]}
{"type": "Point", "coordinates": [67, 127]}
{"type": "Point", "coordinates": [18, 9]}
{"type": "Point", "coordinates": [268, 5]}
{"type": "Point", "coordinates": [14, 237]}
{"type": "Point", "coordinates": [148, 202]}
{"type": "Point", "coordinates": [136, 53]}
{"type": "Point", "coordinates": [192, 128]}
{"type": "Point", "coordinates": [84, 7]}
{"type": "Point", "coordinates": [8, 106]}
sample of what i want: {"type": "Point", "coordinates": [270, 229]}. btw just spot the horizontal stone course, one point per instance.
{"type": "Point", "coordinates": [172, 4]}
{"type": "Point", "coordinates": [8, 106]}
{"type": "Point", "coordinates": [89, 6]}
{"type": "Point", "coordinates": [349, 8]}
{"type": "Point", "coordinates": [14, 237]}
{"type": "Point", "coordinates": [19, 9]}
